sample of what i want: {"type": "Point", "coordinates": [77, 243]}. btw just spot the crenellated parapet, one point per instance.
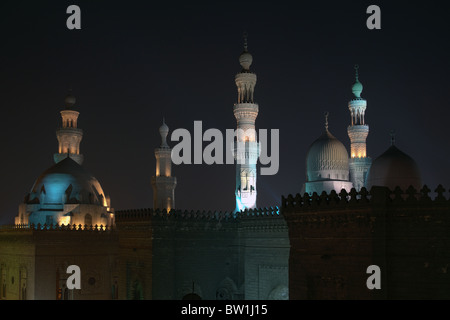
{"type": "Point", "coordinates": [147, 214]}
{"type": "Point", "coordinates": [377, 195]}
{"type": "Point", "coordinates": [55, 227]}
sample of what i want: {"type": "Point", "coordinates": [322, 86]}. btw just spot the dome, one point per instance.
{"type": "Point", "coordinates": [327, 159]}
{"type": "Point", "coordinates": [67, 182]}
{"type": "Point", "coordinates": [394, 169]}
{"type": "Point", "coordinates": [70, 101]}
{"type": "Point", "coordinates": [245, 59]}
{"type": "Point", "coordinates": [357, 89]}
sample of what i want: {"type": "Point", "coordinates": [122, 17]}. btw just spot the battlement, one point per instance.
{"type": "Point", "coordinates": [376, 196]}
{"type": "Point", "coordinates": [57, 227]}
{"type": "Point", "coordinates": [146, 214]}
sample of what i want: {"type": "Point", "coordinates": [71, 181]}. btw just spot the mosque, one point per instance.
{"type": "Point", "coordinates": [160, 253]}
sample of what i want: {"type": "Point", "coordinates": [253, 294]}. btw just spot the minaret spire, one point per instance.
{"type": "Point", "coordinates": [358, 132]}
{"type": "Point", "coordinates": [245, 35]}
{"type": "Point", "coordinates": [246, 146]}
{"type": "Point", "coordinates": [69, 135]}
{"type": "Point", "coordinates": [327, 114]}
{"type": "Point", "coordinates": [392, 134]}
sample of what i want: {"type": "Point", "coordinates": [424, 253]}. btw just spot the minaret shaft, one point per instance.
{"type": "Point", "coordinates": [163, 183]}
{"type": "Point", "coordinates": [246, 145]}
{"type": "Point", "coordinates": [358, 132]}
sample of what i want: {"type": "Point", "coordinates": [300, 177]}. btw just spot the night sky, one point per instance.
{"type": "Point", "coordinates": [135, 62]}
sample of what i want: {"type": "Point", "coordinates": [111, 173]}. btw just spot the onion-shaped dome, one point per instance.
{"type": "Point", "coordinates": [246, 59]}
{"type": "Point", "coordinates": [394, 169]}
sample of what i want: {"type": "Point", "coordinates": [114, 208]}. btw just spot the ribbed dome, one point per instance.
{"type": "Point", "coordinates": [394, 169]}
{"type": "Point", "coordinates": [327, 159]}
{"type": "Point", "coordinates": [67, 182]}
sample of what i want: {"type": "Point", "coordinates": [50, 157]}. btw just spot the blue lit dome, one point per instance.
{"type": "Point", "coordinates": [67, 182]}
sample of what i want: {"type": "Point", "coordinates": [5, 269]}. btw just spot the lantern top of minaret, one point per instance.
{"type": "Point", "coordinates": [245, 59]}
{"type": "Point", "coordinates": [357, 87]}
{"type": "Point", "coordinates": [163, 131]}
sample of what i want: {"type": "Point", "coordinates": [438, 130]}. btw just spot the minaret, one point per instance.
{"type": "Point", "coordinates": [358, 132]}
{"type": "Point", "coordinates": [246, 146]}
{"type": "Point", "coordinates": [163, 183]}
{"type": "Point", "coordinates": [69, 136]}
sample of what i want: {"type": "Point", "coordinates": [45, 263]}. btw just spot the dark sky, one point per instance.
{"type": "Point", "coordinates": [134, 62]}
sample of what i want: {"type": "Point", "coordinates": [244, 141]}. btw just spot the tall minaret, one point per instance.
{"type": "Point", "coordinates": [163, 183]}
{"type": "Point", "coordinates": [69, 136]}
{"type": "Point", "coordinates": [358, 132]}
{"type": "Point", "coordinates": [246, 146]}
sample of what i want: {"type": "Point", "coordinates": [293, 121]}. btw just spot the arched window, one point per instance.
{"type": "Point", "coordinates": [88, 220]}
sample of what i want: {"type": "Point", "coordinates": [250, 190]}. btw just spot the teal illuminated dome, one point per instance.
{"type": "Point", "coordinates": [327, 159]}
{"type": "Point", "coordinates": [394, 169]}
{"type": "Point", "coordinates": [357, 89]}
{"type": "Point", "coordinates": [67, 182]}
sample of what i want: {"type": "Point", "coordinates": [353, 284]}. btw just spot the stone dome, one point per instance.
{"type": "Point", "coordinates": [67, 182]}
{"type": "Point", "coordinates": [327, 159]}
{"type": "Point", "coordinates": [394, 169]}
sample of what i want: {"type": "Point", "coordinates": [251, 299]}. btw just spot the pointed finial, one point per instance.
{"type": "Point", "coordinates": [245, 59]}
{"type": "Point", "coordinates": [357, 72]}
{"type": "Point", "coordinates": [392, 134]}
{"type": "Point", "coordinates": [327, 114]}
{"type": "Point", "coordinates": [245, 35]}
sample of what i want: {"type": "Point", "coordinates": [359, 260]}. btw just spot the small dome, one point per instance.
{"type": "Point", "coordinates": [67, 182]}
{"type": "Point", "coordinates": [246, 59]}
{"type": "Point", "coordinates": [394, 169]}
{"type": "Point", "coordinates": [70, 101]}
{"type": "Point", "coordinates": [357, 89]}
{"type": "Point", "coordinates": [327, 159]}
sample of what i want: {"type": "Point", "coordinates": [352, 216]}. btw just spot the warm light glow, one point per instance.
{"type": "Point", "coordinates": [64, 221]}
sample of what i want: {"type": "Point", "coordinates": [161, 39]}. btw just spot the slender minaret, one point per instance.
{"type": "Point", "coordinates": [246, 145]}
{"type": "Point", "coordinates": [163, 183]}
{"type": "Point", "coordinates": [69, 136]}
{"type": "Point", "coordinates": [358, 132]}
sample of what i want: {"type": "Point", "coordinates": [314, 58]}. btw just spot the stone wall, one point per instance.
{"type": "Point", "coordinates": [335, 238]}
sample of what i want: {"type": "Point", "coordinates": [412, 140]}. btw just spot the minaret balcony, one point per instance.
{"type": "Point", "coordinates": [69, 130]}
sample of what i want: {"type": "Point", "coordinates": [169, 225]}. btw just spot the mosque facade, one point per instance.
{"type": "Point", "coordinates": [168, 253]}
